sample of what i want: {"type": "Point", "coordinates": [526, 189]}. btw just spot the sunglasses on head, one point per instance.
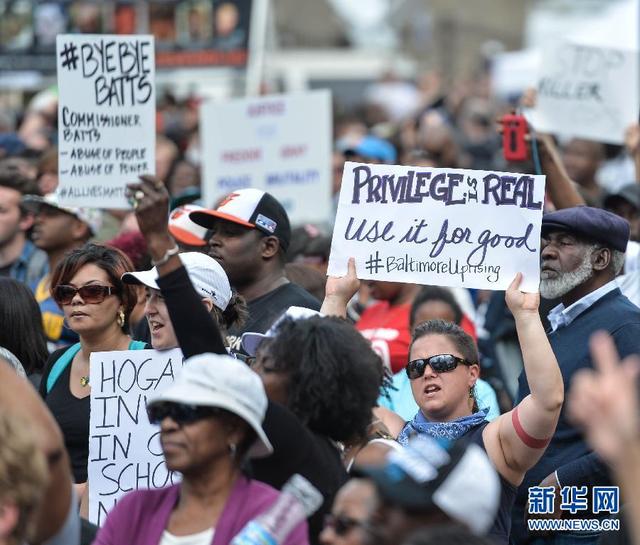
{"type": "Point", "coordinates": [91, 293]}
{"type": "Point", "coordinates": [180, 413]}
{"type": "Point", "coordinates": [442, 363]}
{"type": "Point", "coordinates": [340, 524]}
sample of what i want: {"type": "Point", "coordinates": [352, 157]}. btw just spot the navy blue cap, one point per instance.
{"type": "Point", "coordinates": [591, 223]}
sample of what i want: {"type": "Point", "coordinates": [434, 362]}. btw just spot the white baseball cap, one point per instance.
{"type": "Point", "coordinates": [92, 217]}
{"type": "Point", "coordinates": [215, 380]}
{"type": "Point", "coordinates": [251, 341]}
{"type": "Point", "coordinates": [205, 273]}
{"type": "Point", "coordinates": [183, 229]}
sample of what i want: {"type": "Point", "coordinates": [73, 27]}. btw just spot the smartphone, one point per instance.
{"type": "Point", "coordinates": [514, 146]}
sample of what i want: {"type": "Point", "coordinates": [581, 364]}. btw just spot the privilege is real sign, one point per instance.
{"type": "Point", "coordinates": [448, 227]}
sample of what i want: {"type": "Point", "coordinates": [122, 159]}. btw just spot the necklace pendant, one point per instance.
{"type": "Point", "coordinates": [84, 381]}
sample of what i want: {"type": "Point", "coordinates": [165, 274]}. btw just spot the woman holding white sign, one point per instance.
{"type": "Point", "coordinates": [443, 368]}
{"type": "Point", "coordinates": [96, 303]}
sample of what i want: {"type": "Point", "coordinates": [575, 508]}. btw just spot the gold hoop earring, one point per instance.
{"type": "Point", "coordinates": [120, 319]}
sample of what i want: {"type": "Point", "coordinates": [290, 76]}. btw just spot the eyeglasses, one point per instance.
{"type": "Point", "coordinates": [91, 293]}
{"type": "Point", "coordinates": [442, 363]}
{"type": "Point", "coordinates": [340, 524]}
{"type": "Point", "coordinates": [180, 413]}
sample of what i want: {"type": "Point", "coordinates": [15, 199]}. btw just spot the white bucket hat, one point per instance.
{"type": "Point", "coordinates": [215, 380]}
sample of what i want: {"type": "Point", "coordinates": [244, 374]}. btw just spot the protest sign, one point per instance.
{"type": "Point", "coordinates": [280, 144]}
{"type": "Point", "coordinates": [124, 448]}
{"type": "Point", "coordinates": [587, 92]}
{"type": "Point", "coordinates": [446, 227]}
{"type": "Point", "coordinates": [106, 117]}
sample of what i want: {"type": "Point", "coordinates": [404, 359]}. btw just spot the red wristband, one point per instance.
{"type": "Point", "coordinates": [531, 442]}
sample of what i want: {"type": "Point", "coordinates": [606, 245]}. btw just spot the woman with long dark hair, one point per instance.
{"type": "Point", "coordinates": [87, 285]}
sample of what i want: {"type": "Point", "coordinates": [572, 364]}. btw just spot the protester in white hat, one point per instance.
{"type": "Point", "coordinates": [210, 423]}
{"type": "Point", "coordinates": [210, 281]}
{"type": "Point", "coordinates": [321, 376]}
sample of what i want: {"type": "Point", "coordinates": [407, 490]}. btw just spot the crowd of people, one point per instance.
{"type": "Point", "coordinates": [421, 414]}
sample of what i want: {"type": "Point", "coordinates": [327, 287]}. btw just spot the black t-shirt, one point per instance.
{"type": "Point", "coordinates": [72, 415]}
{"type": "Point", "coordinates": [266, 309]}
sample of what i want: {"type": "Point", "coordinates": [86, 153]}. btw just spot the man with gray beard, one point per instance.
{"type": "Point", "coordinates": [582, 252]}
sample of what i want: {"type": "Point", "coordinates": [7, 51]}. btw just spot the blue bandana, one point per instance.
{"type": "Point", "coordinates": [441, 430]}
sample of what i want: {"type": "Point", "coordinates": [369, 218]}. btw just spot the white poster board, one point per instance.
{"type": "Point", "coordinates": [278, 143]}
{"type": "Point", "coordinates": [106, 117]}
{"type": "Point", "coordinates": [445, 227]}
{"type": "Point", "coordinates": [124, 449]}
{"type": "Point", "coordinates": [587, 92]}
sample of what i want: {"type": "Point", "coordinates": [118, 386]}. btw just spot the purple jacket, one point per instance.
{"type": "Point", "coordinates": [141, 517]}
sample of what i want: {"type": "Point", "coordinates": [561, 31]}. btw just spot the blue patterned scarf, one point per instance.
{"type": "Point", "coordinates": [441, 430]}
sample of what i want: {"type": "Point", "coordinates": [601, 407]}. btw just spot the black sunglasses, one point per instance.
{"type": "Point", "coordinates": [91, 293]}
{"type": "Point", "coordinates": [340, 524]}
{"type": "Point", "coordinates": [442, 363]}
{"type": "Point", "coordinates": [180, 413]}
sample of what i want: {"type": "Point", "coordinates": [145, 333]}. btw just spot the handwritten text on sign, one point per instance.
{"type": "Point", "coordinates": [588, 92]}
{"type": "Point", "coordinates": [124, 449]}
{"type": "Point", "coordinates": [106, 115]}
{"type": "Point", "coordinates": [448, 227]}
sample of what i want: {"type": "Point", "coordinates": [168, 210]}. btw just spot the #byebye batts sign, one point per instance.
{"type": "Point", "coordinates": [106, 117]}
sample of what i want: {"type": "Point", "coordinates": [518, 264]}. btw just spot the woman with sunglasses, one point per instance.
{"type": "Point", "coordinates": [346, 523]}
{"type": "Point", "coordinates": [96, 304]}
{"type": "Point", "coordinates": [443, 368]}
{"type": "Point", "coordinates": [210, 424]}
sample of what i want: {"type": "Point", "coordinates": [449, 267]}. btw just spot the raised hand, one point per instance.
{"type": "Point", "coordinates": [604, 401]}
{"type": "Point", "coordinates": [339, 291]}
{"type": "Point", "coordinates": [520, 302]}
{"type": "Point", "coordinates": [151, 205]}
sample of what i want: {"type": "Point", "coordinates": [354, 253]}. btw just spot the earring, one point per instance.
{"type": "Point", "coordinates": [120, 319]}
{"type": "Point", "coordinates": [232, 450]}
{"type": "Point", "coordinates": [472, 391]}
